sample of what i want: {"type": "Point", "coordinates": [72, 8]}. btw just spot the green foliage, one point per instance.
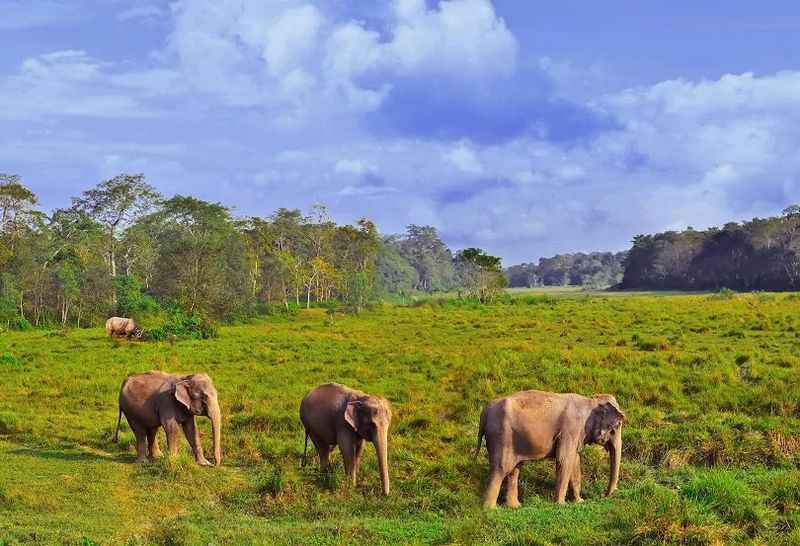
{"type": "Point", "coordinates": [181, 325]}
{"type": "Point", "coordinates": [595, 270]}
{"type": "Point", "coordinates": [131, 299]}
{"type": "Point", "coordinates": [9, 422]}
{"type": "Point", "coordinates": [733, 500]}
{"type": "Point", "coordinates": [762, 254]}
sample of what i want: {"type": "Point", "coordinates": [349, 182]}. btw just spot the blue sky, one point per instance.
{"type": "Point", "coordinates": [525, 128]}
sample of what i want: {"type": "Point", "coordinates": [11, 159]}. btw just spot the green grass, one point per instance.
{"type": "Point", "coordinates": [711, 452]}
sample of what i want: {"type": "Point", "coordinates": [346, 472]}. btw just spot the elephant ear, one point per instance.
{"type": "Point", "coordinates": [351, 414]}
{"type": "Point", "coordinates": [613, 417]}
{"type": "Point", "coordinates": [182, 393]}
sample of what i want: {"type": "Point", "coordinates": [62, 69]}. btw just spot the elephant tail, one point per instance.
{"type": "Point", "coordinates": [116, 432]}
{"type": "Point", "coordinates": [305, 449]}
{"type": "Point", "coordinates": [481, 431]}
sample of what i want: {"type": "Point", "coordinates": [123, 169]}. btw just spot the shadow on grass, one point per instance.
{"type": "Point", "coordinates": [71, 455]}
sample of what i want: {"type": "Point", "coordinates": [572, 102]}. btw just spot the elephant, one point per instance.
{"type": "Point", "coordinates": [119, 326]}
{"type": "Point", "coordinates": [533, 425]}
{"type": "Point", "coordinates": [334, 414]}
{"type": "Point", "coordinates": [155, 399]}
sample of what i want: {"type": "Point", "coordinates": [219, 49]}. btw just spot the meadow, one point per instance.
{"type": "Point", "coordinates": [709, 384]}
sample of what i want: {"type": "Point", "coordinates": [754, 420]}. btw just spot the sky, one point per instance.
{"type": "Point", "coordinates": [523, 128]}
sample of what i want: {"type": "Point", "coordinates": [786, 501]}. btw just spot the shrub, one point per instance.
{"type": "Point", "coordinates": [270, 483]}
{"type": "Point", "coordinates": [9, 360]}
{"type": "Point", "coordinates": [9, 423]}
{"type": "Point", "coordinates": [723, 294]}
{"type": "Point", "coordinates": [180, 325]}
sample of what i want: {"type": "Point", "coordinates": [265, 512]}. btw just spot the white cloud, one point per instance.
{"type": "Point", "coordinates": [464, 159]}
{"type": "Point", "coordinates": [354, 166]}
{"type": "Point", "coordinates": [148, 13]}
{"type": "Point", "coordinates": [69, 83]}
{"type": "Point", "coordinates": [308, 55]}
{"type": "Point", "coordinates": [463, 37]}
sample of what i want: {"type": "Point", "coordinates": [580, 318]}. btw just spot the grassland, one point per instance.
{"type": "Point", "coordinates": [709, 384]}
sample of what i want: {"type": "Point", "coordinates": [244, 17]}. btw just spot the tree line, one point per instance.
{"type": "Point", "coordinates": [595, 269]}
{"type": "Point", "coordinates": [762, 254]}
{"type": "Point", "coordinates": [123, 248]}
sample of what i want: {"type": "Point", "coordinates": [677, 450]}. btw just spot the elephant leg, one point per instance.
{"type": "Point", "coordinates": [324, 452]}
{"type": "Point", "coordinates": [141, 443]}
{"type": "Point", "coordinates": [152, 443]}
{"type": "Point", "coordinates": [493, 487]}
{"type": "Point", "coordinates": [359, 451]}
{"type": "Point", "coordinates": [193, 436]}
{"type": "Point", "coordinates": [566, 457]}
{"type": "Point", "coordinates": [512, 488]}
{"type": "Point", "coordinates": [575, 480]}
{"type": "Point", "coordinates": [347, 445]}
{"type": "Point", "coordinates": [173, 431]}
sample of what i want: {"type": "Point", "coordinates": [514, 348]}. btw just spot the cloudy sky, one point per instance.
{"type": "Point", "coordinates": [525, 128]}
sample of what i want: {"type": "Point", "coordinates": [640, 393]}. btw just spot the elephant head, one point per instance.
{"type": "Point", "coordinates": [604, 427]}
{"type": "Point", "coordinates": [198, 395]}
{"type": "Point", "coordinates": [370, 417]}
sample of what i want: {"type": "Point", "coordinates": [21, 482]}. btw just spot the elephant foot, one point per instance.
{"type": "Point", "coordinates": [513, 503]}
{"type": "Point", "coordinates": [140, 460]}
{"type": "Point", "coordinates": [578, 500]}
{"type": "Point", "coordinates": [202, 461]}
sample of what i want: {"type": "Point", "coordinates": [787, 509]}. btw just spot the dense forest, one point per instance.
{"type": "Point", "coordinates": [596, 270]}
{"type": "Point", "coordinates": [122, 248]}
{"type": "Point", "coordinates": [762, 254]}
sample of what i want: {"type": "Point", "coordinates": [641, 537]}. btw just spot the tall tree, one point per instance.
{"type": "Point", "coordinates": [116, 204]}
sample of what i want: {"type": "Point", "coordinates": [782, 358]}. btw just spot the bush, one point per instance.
{"type": "Point", "coordinates": [723, 294]}
{"type": "Point", "coordinates": [181, 325]}
{"type": "Point", "coordinates": [9, 423]}
{"type": "Point", "coordinates": [270, 483]}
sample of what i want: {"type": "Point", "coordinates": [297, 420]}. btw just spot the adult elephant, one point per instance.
{"type": "Point", "coordinates": [532, 425]}
{"type": "Point", "coordinates": [156, 399]}
{"type": "Point", "coordinates": [333, 414]}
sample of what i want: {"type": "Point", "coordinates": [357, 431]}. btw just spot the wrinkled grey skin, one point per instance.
{"type": "Point", "coordinates": [119, 326]}
{"type": "Point", "coordinates": [532, 425]}
{"type": "Point", "coordinates": [156, 399]}
{"type": "Point", "coordinates": [333, 414]}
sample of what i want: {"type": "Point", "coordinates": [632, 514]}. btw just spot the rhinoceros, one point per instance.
{"type": "Point", "coordinates": [119, 326]}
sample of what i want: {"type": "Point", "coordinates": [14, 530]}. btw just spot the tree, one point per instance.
{"type": "Point", "coordinates": [480, 274]}
{"type": "Point", "coordinates": [15, 199]}
{"type": "Point", "coordinates": [429, 256]}
{"type": "Point", "coordinates": [201, 261]}
{"type": "Point", "coordinates": [116, 204]}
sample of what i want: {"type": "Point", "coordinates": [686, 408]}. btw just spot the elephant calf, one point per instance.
{"type": "Point", "coordinates": [156, 399]}
{"type": "Point", "coordinates": [532, 425]}
{"type": "Point", "coordinates": [333, 414]}
{"type": "Point", "coordinates": [118, 326]}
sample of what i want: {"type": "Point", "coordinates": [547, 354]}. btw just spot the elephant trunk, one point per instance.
{"type": "Point", "coordinates": [381, 442]}
{"type": "Point", "coordinates": [216, 429]}
{"type": "Point", "coordinates": [615, 450]}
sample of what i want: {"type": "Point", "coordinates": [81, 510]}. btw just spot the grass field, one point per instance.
{"type": "Point", "coordinates": [709, 384]}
